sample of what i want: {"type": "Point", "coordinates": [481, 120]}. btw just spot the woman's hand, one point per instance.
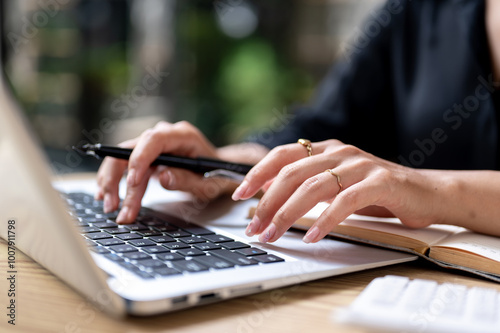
{"type": "Point", "coordinates": [365, 184]}
{"type": "Point", "coordinates": [180, 138]}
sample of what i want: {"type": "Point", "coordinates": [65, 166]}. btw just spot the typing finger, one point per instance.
{"type": "Point", "coordinates": [132, 202]}
{"type": "Point", "coordinates": [108, 179]}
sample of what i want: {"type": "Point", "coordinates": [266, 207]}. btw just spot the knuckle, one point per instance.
{"type": "Point", "coordinates": [288, 171]}
{"type": "Point", "coordinates": [349, 150]}
{"type": "Point", "coordinates": [281, 150]}
{"type": "Point", "coordinates": [350, 198]}
{"type": "Point", "coordinates": [162, 124]}
{"type": "Point", "coordinates": [282, 217]}
{"type": "Point", "coordinates": [310, 185]}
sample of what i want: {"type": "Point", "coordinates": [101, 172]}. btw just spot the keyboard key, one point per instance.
{"type": "Point", "coordinates": [113, 257]}
{"type": "Point", "coordinates": [213, 262]}
{"type": "Point", "coordinates": [234, 245]}
{"type": "Point", "coordinates": [148, 263]}
{"type": "Point", "coordinates": [252, 251]}
{"type": "Point", "coordinates": [268, 258]}
{"type": "Point", "coordinates": [162, 239]}
{"type": "Point", "coordinates": [148, 233]}
{"type": "Point", "coordinates": [176, 246]}
{"type": "Point", "coordinates": [189, 266]}
{"type": "Point", "coordinates": [135, 227]}
{"type": "Point", "coordinates": [191, 252]}
{"type": "Point", "coordinates": [110, 241]}
{"type": "Point", "coordinates": [192, 240]}
{"type": "Point", "coordinates": [234, 258]}
{"type": "Point", "coordinates": [122, 248]}
{"type": "Point", "coordinates": [104, 225]}
{"type": "Point", "coordinates": [98, 235]}
{"type": "Point", "coordinates": [207, 246]}
{"type": "Point", "coordinates": [116, 231]}
{"type": "Point", "coordinates": [170, 256]}
{"type": "Point", "coordinates": [150, 221]}
{"type": "Point", "coordinates": [217, 238]}
{"type": "Point", "coordinates": [177, 233]}
{"type": "Point", "coordinates": [134, 256]}
{"type": "Point", "coordinates": [141, 242]}
{"type": "Point", "coordinates": [94, 220]}
{"type": "Point", "coordinates": [165, 271]}
{"type": "Point", "coordinates": [164, 228]}
{"type": "Point", "coordinates": [87, 230]}
{"type": "Point", "coordinates": [100, 249]}
{"type": "Point", "coordinates": [198, 231]}
{"type": "Point", "coordinates": [129, 236]}
{"type": "Point", "coordinates": [154, 249]}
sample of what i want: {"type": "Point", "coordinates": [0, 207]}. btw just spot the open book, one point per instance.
{"type": "Point", "coordinates": [445, 245]}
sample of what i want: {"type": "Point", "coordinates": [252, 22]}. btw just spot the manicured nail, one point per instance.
{"type": "Point", "coordinates": [268, 234]}
{"type": "Point", "coordinates": [171, 179]}
{"type": "Point", "coordinates": [123, 215]}
{"type": "Point", "coordinates": [250, 231]}
{"type": "Point", "coordinates": [131, 181]}
{"type": "Point", "coordinates": [253, 226]}
{"type": "Point", "coordinates": [107, 203]}
{"type": "Point", "coordinates": [240, 191]}
{"type": "Point", "coordinates": [311, 235]}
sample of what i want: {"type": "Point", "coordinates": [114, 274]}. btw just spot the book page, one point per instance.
{"type": "Point", "coordinates": [483, 245]}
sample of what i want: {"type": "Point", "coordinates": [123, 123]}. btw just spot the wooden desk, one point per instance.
{"type": "Point", "coordinates": [46, 304]}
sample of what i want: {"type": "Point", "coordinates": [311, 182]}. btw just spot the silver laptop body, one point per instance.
{"type": "Point", "coordinates": [45, 231]}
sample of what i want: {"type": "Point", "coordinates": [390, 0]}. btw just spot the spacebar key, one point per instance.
{"type": "Point", "coordinates": [234, 258]}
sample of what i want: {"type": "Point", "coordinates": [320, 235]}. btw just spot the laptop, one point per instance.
{"type": "Point", "coordinates": [178, 254]}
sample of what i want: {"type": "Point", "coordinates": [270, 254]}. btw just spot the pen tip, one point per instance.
{"type": "Point", "coordinates": [83, 149]}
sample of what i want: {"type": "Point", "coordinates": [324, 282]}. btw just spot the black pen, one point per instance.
{"type": "Point", "coordinates": [206, 166]}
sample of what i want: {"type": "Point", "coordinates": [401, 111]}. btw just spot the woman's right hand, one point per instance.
{"type": "Point", "coordinates": [180, 138]}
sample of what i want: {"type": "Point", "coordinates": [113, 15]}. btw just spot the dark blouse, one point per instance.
{"type": "Point", "coordinates": [415, 88]}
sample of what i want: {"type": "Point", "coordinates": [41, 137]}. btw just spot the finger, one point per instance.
{"type": "Point", "coordinates": [108, 179]}
{"type": "Point", "coordinates": [320, 187]}
{"type": "Point", "coordinates": [283, 187]}
{"type": "Point", "coordinates": [267, 169]}
{"type": "Point", "coordinates": [132, 202]}
{"type": "Point", "coordinates": [183, 180]}
{"type": "Point", "coordinates": [353, 198]}
{"type": "Point", "coordinates": [274, 161]}
{"type": "Point", "coordinates": [181, 138]}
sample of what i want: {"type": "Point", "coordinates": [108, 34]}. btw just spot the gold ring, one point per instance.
{"type": "Point", "coordinates": [338, 178]}
{"type": "Point", "coordinates": [306, 143]}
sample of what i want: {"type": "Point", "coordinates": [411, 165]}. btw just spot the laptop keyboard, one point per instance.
{"type": "Point", "coordinates": [158, 246]}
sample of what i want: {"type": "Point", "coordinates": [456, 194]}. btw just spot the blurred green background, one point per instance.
{"type": "Point", "coordinates": [105, 70]}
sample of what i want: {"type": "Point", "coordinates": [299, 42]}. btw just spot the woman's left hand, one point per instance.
{"type": "Point", "coordinates": [355, 181]}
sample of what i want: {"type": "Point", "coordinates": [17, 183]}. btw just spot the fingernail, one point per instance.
{"type": "Point", "coordinates": [171, 179]}
{"type": "Point", "coordinates": [250, 231]}
{"type": "Point", "coordinates": [123, 215]}
{"type": "Point", "coordinates": [240, 191]}
{"type": "Point", "coordinates": [311, 235]}
{"type": "Point", "coordinates": [268, 234]}
{"type": "Point", "coordinates": [131, 177]}
{"type": "Point", "coordinates": [107, 203]}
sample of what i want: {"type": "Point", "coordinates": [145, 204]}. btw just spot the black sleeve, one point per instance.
{"type": "Point", "coordinates": [354, 102]}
